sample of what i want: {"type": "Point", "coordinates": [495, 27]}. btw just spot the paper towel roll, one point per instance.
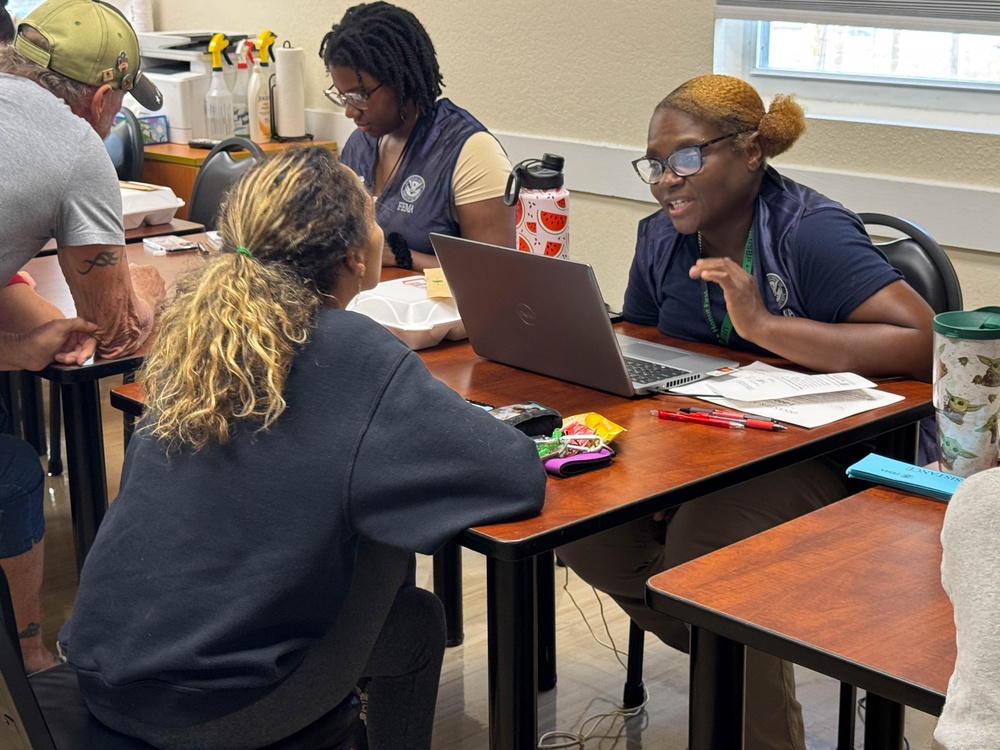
{"type": "Point", "coordinates": [140, 13]}
{"type": "Point", "coordinates": [289, 92]}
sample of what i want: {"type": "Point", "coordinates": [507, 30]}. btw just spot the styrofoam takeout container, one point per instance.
{"type": "Point", "coordinates": [402, 306]}
{"type": "Point", "coordinates": [148, 206]}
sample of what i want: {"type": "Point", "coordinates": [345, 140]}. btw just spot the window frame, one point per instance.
{"type": "Point", "coordinates": [962, 106]}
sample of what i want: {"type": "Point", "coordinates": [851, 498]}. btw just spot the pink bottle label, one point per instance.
{"type": "Point", "coordinates": [543, 222]}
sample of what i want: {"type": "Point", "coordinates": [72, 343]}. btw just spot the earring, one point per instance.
{"type": "Point", "coordinates": [361, 276]}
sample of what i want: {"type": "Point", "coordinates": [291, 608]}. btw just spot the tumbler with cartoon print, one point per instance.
{"type": "Point", "coordinates": [535, 187]}
{"type": "Point", "coordinates": [967, 389]}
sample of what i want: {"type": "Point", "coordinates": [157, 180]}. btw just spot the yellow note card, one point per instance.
{"type": "Point", "coordinates": [436, 284]}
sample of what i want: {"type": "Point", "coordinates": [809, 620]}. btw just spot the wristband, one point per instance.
{"type": "Point", "coordinates": [401, 250]}
{"type": "Point", "coordinates": [17, 278]}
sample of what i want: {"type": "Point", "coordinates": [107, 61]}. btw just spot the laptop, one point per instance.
{"type": "Point", "coordinates": [547, 315]}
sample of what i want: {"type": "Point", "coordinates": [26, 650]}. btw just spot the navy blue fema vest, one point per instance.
{"type": "Point", "coordinates": [780, 206]}
{"type": "Point", "coordinates": [417, 199]}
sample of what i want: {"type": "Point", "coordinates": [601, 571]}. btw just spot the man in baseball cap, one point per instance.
{"type": "Point", "coordinates": [90, 42]}
{"type": "Point", "coordinates": [62, 81]}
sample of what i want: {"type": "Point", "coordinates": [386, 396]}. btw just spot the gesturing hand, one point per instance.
{"type": "Point", "coordinates": [743, 300]}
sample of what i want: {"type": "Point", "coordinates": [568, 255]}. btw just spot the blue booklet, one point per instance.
{"type": "Point", "coordinates": [904, 476]}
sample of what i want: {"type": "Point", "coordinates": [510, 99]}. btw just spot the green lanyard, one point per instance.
{"type": "Point", "coordinates": [722, 336]}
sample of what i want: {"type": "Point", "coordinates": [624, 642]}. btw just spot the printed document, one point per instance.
{"type": "Point", "coordinates": [792, 397]}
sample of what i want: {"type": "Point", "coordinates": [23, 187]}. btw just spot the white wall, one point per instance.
{"type": "Point", "coordinates": [592, 71]}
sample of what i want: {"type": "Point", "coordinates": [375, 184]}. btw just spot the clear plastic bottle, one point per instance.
{"type": "Point", "coordinates": [241, 106]}
{"type": "Point", "coordinates": [259, 91]}
{"type": "Point", "coordinates": [218, 100]}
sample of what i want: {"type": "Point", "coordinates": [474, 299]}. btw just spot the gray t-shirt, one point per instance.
{"type": "Point", "coordinates": [58, 179]}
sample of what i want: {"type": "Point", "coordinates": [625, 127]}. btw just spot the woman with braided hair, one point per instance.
{"type": "Point", "coordinates": [744, 257]}
{"type": "Point", "coordinates": [257, 562]}
{"type": "Point", "coordinates": [429, 164]}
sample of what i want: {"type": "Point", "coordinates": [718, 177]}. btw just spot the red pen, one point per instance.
{"type": "Point", "coordinates": [751, 422]}
{"type": "Point", "coordinates": [724, 414]}
{"type": "Point", "coordinates": [696, 419]}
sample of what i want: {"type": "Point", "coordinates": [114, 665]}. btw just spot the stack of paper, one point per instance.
{"type": "Point", "coordinates": [904, 476]}
{"type": "Point", "coordinates": [803, 400]}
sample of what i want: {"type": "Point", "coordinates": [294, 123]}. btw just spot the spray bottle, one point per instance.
{"type": "Point", "coordinates": [218, 100]}
{"type": "Point", "coordinates": [241, 108]}
{"type": "Point", "coordinates": [259, 90]}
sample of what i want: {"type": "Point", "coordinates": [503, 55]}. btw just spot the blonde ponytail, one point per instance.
{"type": "Point", "coordinates": [226, 344]}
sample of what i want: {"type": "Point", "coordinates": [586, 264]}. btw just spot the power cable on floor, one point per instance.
{"type": "Point", "coordinates": [588, 728]}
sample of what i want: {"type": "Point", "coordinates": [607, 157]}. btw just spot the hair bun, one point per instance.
{"type": "Point", "coordinates": [782, 125]}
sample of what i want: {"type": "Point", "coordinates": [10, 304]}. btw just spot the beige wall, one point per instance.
{"type": "Point", "coordinates": [592, 71]}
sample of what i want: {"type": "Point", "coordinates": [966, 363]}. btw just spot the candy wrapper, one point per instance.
{"type": "Point", "coordinates": [580, 445]}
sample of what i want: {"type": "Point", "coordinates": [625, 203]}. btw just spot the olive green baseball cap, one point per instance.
{"type": "Point", "coordinates": [91, 42]}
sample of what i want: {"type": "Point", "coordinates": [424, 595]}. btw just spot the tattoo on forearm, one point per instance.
{"type": "Point", "coordinates": [31, 631]}
{"type": "Point", "coordinates": [107, 258]}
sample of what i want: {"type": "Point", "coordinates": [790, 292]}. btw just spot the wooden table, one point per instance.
{"type": "Point", "coordinates": [141, 232]}
{"type": "Point", "coordinates": [852, 590]}
{"type": "Point", "coordinates": [660, 465]}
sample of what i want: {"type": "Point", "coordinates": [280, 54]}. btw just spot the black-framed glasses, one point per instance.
{"type": "Point", "coordinates": [683, 162]}
{"type": "Point", "coordinates": [357, 99]}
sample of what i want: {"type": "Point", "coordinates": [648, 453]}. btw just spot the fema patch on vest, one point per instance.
{"type": "Point", "coordinates": [778, 289]}
{"type": "Point", "coordinates": [413, 186]}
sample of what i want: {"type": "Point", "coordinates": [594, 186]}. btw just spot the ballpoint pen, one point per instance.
{"type": "Point", "coordinates": [724, 413]}
{"type": "Point", "coordinates": [751, 422]}
{"type": "Point", "coordinates": [697, 419]}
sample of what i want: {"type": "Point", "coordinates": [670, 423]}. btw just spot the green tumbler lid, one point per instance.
{"type": "Point", "coordinates": [983, 323]}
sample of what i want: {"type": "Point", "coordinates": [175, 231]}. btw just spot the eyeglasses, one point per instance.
{"type": "Point", "coordinates": [357, 99]}
{"type": "Point", "coordinates": [683, 162]}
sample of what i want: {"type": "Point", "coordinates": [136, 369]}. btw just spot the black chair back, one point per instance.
{"type": "Point", "coordinates": [48, 712]}
{"type": "Point", "coordinates": [124, 145]}
{"type": "Point", "coordinates": [920, 259]}
{"type": "Point", "coordinates": [22, 726]}
{"type": "Point", "coordinates": [217, 174]}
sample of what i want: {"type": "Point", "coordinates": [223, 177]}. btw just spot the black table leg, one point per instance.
{"type": "Point", "coordinates": [448, 587]}
{"type": "Point", "coordinates": [33, 415]}
{"type": "Point", "coordinates": [88, 487]}
{"type": "Point", "coordinates": [900, 444]}
{"type": "Point", "coordinates": [715, 717]}
{"type": "Point", "coordinates": [513, 668]}
{"type": "Point", "coordinates": [55, 430]}
{"type": "Point", "coordinates": [634, 692]}
{"type": "Point", "coordinates": [883, 723]}
{"type": "Point", "coordinates": [846, 723]}
{"type": "Point", "coordinates": [545, 577]}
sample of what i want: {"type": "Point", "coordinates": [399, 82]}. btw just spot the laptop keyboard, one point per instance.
{"type": "Point", "coordinates": [642, 371]}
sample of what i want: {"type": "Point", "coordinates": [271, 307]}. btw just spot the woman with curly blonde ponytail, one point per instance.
{"type": "Point", "coordinates": [258, 559]}
{"type": "Point", "coordinates": [742, 257]}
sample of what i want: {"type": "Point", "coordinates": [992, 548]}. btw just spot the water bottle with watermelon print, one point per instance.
{"type": "Point", "coordinates": [536, 188]}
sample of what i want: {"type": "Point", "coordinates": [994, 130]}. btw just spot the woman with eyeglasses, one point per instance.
{"type": "Point", "coordinates": [257, 562]}
{"type": "Point", "coordinates": [429, 164]}
{"type": "Point", "coordinates": [741, 256]}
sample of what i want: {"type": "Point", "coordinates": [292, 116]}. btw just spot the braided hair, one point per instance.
{"type": "Point", "coordinates": [734, 106]}
{"type": "Point", "coordinates": [392, 46]}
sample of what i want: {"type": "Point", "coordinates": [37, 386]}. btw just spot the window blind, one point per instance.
{"type": "Point", "coordinates": [970, 16]}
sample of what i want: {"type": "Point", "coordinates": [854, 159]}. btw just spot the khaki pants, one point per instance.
{"type": "Point", "coordinates": [620, 561]}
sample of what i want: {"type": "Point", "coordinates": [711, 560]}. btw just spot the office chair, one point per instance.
{"type": "Point", "coordinates": [217, 174]}
{"type": "Point", "coordinates": [124, 145]}
{"type": "Point", "coordinates": [920, 259]}
{"type": "Point", "coordinates": [46, 710]}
